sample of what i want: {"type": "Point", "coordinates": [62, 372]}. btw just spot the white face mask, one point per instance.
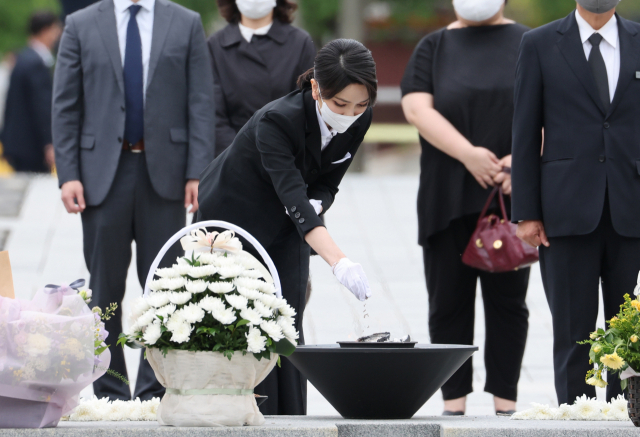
{"type": "Point", "coordinates": [338, 122]}
{"type": "Point", "coordinates": [255, 9]}
{"type": "Point", "coordinates": [477, 10]}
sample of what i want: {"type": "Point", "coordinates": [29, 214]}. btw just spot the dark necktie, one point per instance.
{"type": "Point", "coordinates": [599, 70]}
{"type": "Point", "coordinates": [133, 76]}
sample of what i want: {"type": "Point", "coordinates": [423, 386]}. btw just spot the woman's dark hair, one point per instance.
{"type": "Point", "coordinates": [339, 64]}
{"type": "Point", "coordinates": [283, 11]}
{"type": "Point", "coordinates": [41, 20]}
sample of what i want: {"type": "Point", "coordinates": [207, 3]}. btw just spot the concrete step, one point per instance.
{"type": "Point", "coordinates": [309, 426]}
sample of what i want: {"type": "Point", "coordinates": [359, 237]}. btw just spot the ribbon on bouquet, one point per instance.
{"type": "Point", "coordinates": [200, 240]}
{"type": "Point", "coordinates": [210, 391]}
{"type": "Point", "coordinates": [75, 285]}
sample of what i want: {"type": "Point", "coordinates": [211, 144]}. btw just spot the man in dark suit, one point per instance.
{"type": "Point", "coordinates": [26, 136]}
{"type": "Point", "coordinates": [579, 79]}
{"type": "Point", "coordinates": [133, 127]}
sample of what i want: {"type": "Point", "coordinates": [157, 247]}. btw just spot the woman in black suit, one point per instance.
{"type": "Point", "coordinates": [282, 171]}
{"type": "Point", "coordinates": [256, 58]}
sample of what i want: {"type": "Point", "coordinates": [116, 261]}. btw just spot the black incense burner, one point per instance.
{"type": "Point", "coordinates": [379, 382]}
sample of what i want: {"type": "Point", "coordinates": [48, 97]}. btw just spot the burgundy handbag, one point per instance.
{"type": "Point", "coordinates": [494, 246]}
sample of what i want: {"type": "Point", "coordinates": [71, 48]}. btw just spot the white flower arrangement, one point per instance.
{"type": "Point", "coordinates": [94, 409]}
{"type": "Point", "coordinates": [583, 408]}
{"type": "Point", "coordinates": [215, 301]}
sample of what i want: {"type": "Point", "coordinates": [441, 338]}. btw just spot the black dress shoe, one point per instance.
{"type": "Point", "coordinates": [452, 413]}
{"type": "Point", "coordinates": [505, 413]}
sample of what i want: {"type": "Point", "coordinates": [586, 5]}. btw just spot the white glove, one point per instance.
{"type": "Point", "coordinates": [352, 276]}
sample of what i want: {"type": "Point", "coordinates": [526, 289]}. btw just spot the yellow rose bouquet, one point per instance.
{"type": "Point", "coordinates": [616, 350]}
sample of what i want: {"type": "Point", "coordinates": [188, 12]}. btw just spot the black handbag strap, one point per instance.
{"type": "Point", "coordinates": [503, 209]}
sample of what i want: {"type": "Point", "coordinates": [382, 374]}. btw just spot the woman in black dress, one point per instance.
{"type": "Point", "coordinates": [458, 91]}
{"type": "Point", "coordinates": [256, 58]}
{"type": "Point", "coordinates": [282, 172]}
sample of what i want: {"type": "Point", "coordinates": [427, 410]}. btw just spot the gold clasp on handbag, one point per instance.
{"type": "Point", "coordinates": [497, 244]}
{"type": "Point", "coordinates": [479, 243]}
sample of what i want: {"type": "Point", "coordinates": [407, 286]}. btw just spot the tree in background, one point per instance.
{"type": "Point", "coordinates": [14, 18]}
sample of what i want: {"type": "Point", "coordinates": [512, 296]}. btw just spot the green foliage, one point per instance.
{"type": "Point", "coordinates": [207, 9]}
{"type": "Point", "coordinates": [319, 18]}
{"type": "Point", "coordinates": [14, 20]}
{"type": "Point", "coordinates": [617, 348]}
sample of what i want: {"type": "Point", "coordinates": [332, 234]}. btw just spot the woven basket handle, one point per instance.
{"type": "Point", "coordinates": [218, 224]}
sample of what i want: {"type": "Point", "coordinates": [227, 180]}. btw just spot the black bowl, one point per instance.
{"type": "Point", "coordinates": [379, 383]}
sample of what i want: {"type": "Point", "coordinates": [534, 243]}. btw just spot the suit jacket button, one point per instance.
{"type": "Point", "coordinates": [119, 139]}
{"type": "Point", "coordinates": [293, 209]}
{"type": "Point", "coordinates": [122, 108]}
{"type": "Point", "coordinates": [297, 215]}
{"type": "Point", "coordinates": [301, 221]}
{"type": "Point", "coordinates": [314, 172]}
{"type": "Point", "coordinates": [606, 125]}
{"type": "Point", "coordinates": [602, 158]}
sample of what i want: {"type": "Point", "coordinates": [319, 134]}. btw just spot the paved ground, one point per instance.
{"type": "Point", "coordinates": [373, 221]}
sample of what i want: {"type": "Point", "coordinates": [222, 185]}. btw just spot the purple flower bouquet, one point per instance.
{"type": "Point", "coordinates": [51, 348]}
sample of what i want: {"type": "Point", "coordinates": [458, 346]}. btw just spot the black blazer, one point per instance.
{"type": "Point", "coordinates": [586, 150]}
{"type": "Point", "coordinates": [248, 76]}
{"type": "Point", "coordinates": [275, 162]}
{"type": "Point", "coordinates": [27, 121]}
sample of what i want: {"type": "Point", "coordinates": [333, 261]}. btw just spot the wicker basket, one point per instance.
{"type": "Point", "coordinates": [633, 407]}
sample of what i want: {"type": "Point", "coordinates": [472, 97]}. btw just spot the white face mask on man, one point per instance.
{"type": "Point", "coordinates": [338, 122]}
{"type": "Point", "coordinates": [477, 10]}
{"type": "Point", "coordinates": [255, 9]}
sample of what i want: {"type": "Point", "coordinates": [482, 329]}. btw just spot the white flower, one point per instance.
{"type": "Point", "coordinates": [140, 305]}
{"type": "Point", "coordinates": [152, 334]}
{"type": "Point", "coordinates": [256, 284]}
{"type": "Point", "coordinates": [268, 288]}
{"type": "Point", "coordinates": [287, 311]}
{"type": "Point", "coordinates": [586, 409]}
{"type": "Point", "coordinates": [166, 310]}
{"type": "Point", "coordinates": [175, 283]}
{"type": "Point", "coordinates": [182, 333]}
{"type": "Point", "coordinates": [249, 293]}
{"type": "Point", "coordinates": [157, 284]}
{"type": "Point", "coordinates": [279, 303]}
{"type": "Point", "coordinates": [238, 302]}
{"type": "Point", "coordinates": [618, 409]}
{"type": "Point", "coordinates": [221, 287]}
{"type": "Point", "coordinates": [269, 300]}
{"type": "Point", "coordinates": [37, 344]}
{"type": "Point", "coordinates": [158, 299]}
{"type": "Point", "coordinates": [288, 328]}
{"type": "Point", "coordinates": [230, 271]}
{"type": "Point", "coordinates": [255, 341]}
{"type": "Point", "coordinates": [251, 315]}
{"type": "Point", "coordinates": [262, 309]}
{"type": "Point", "coordinates": [272, 329]}
{"type": "Point", "coordinates": [211, 303]}
{"type": "Point", "coordinates": [119, 411]}
{"type": "Point", "coordinates": [564, 412]}
{"type": "Point", "coordinates": [193, 313]}
{"type": "Point", "coordinates": [168, 272]}
{"type": "Point", "coordinates": [207, 258]}
{"type": "Point", "coordinates": [147, 318]}
{"type": "Point", "coordinates": [179, 298]}
{"type": "Point", "coordinates": [196, 286]}
{"type": "Point", "coordinates": [224, 261]}
{"type": "Point", "coordinates": [133, 329]}
{"type": "Point", "coordinates": [251, 273]}
{"type": "Point", "coordinates": [226, 316]}
{"type": "Point", "coordinates": [182, 269]}
{"type": "Point", "coordinates": [150, 409]}
{"type": "Point", "coordinates": [202, 271]}
{"type": "Point", "coordinates": [175, 321]}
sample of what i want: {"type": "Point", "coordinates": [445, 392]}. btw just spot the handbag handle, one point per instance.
{"type": "Point", "coordinates": [219, 224]}
{"type": "Point", "coordinates": [483, 214]}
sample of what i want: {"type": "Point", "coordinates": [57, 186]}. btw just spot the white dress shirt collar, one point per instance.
{"type": "Point", "coordinates": [326, 134]}
{"type": "Point", "coordinates": [248, 32]}
{"type": "Point", "coordinates": [609, 31]}
{"type": "Point", "coordinates": [122, 5]}
{"type": "Point", "coordinates": [42, 51]}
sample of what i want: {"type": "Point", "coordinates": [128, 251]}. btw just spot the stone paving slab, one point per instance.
{"type": "Point", "coordinates": [285, 426]}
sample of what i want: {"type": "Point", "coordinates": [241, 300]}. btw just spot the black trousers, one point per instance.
{"type": "Point", "coordinates": [452, 294]}
{"type": "Point", "coordinates": [132, 211]}
{"type": "Point", "coordinates": [572, 269]}
{"type": "Point", "coordinates": [285, 386]}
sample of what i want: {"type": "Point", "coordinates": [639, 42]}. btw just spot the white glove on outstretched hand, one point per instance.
{"type": "Point", "coordinates": [352, 276]}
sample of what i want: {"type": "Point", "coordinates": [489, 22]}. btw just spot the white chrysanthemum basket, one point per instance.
{"type": "Point", "coordinates": [206, 388]}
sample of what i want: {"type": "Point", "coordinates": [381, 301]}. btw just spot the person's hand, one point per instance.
{"type": "Point", "coordinates": [352, 276]}
{"type": "Point", "coordinates": [73, 197]}
{"type": "Point", "coordinates": [49, 156]}
{"type": "Point", "coordinates": [503, 178]}
{"type": "Point", "coordinates": [532, 232]}
{"type": "Point", "coordinates": [483, 164]}
{"type": "Point", "coordinates": [191, 195]}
